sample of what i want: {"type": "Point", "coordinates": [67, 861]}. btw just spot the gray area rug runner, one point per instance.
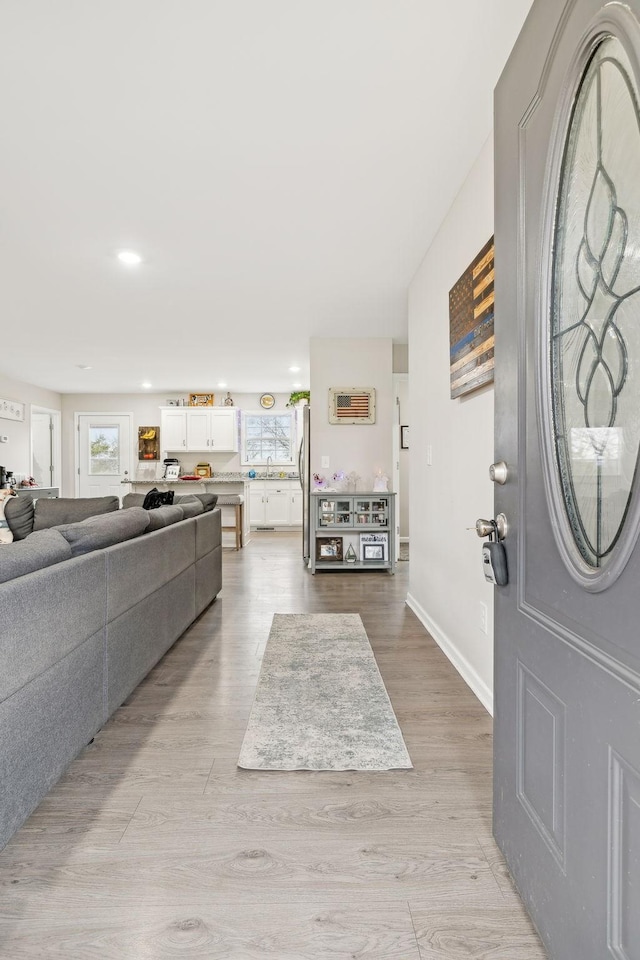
{"type": "Point", "coordinates": [321, 703]}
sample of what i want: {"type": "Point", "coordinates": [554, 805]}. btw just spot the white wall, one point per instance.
{"type": "Point", "coordinates": [16, 453]}
{"type": "Point", "coordinates": [364, 448]}
{"type": "Point", "coordinates": [447, 586]}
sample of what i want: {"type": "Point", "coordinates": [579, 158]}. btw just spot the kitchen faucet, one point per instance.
{"type": "Point", "coordinates": [269, 463]}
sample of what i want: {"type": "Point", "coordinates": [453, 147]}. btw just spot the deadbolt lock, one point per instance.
{"type": "Point", "coordinates": [498, 472]}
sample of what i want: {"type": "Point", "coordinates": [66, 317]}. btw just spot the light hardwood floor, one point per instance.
{"type": "Point", "coordinates": [155, 845]}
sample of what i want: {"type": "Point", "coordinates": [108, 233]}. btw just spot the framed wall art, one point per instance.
{"type": "Point", "coordinates": [471, 337]}
{"type": "Point", "coordinates": [148, 443]}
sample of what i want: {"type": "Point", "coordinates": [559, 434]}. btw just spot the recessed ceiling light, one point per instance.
{"type": "Point", "coordinates": [296, 384]}
{"type": "Point", "coordinates": [146, 385]}
{"type": "Point", "coordinates": [294, 369]}
{"type": "Point", "coordinates": [130, 258]}
{"type": "Point", "coordinates": [84, 366]}
{"type": "Point", "coordinates": [222, 386]}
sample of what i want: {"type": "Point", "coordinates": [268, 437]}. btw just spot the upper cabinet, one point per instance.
{"type": "Point", "coordinates": [199, 430]}
{"type": "Point", "coordinates": [173, 429]}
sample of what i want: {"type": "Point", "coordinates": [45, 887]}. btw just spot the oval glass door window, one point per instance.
{"type": "Point", "coordinates": [595, 306]}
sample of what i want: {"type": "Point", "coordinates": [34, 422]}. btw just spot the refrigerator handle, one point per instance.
{"type": "Point", "coordinates": [301, 463]}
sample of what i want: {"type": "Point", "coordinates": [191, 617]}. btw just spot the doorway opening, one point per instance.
{"type": "Point", "coordinates": [46, 446]}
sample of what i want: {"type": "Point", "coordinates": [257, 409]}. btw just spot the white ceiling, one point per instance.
{"type": "Point", "coordinates": [281, 165]}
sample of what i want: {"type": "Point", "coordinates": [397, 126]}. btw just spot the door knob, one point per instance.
{"type": "Point", "coordinates": [499, 526]}
{"type": "Point", "coordinates": [484, 528]}
{"type": "Point", "coordinates": [498, 472]}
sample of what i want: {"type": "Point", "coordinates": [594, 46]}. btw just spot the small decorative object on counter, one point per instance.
{"type": "Point", "coordinates": [380, 482]}
{"type": "Point", "coordinates": [350, 556]}
{"type": "Point", "coordinates": [202, 470]}
{"type": "Point", "coordinates": [252, 474]}
{"type": "Point", "coordinates": [319, 481]}
{"type": "Point", "coordinates": [340, 482]}
{"type": "Point", "coordinates": [353, 478]}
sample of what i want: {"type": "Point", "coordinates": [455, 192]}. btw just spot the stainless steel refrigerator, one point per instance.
{"type": "Point", "coordinates": [304, 469]}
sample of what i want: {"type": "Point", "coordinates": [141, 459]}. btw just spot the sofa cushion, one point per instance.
{"type": "Point", "coordinates": [53, 512]}
{"type": "Point", "coordinates": [6, 534]}
{"type": "Point", "coordinates": [94, 533]}
{"type": "Point", "coordinates": [208, 500]}
{"type": "Point", "coordinates": [190, 506]}
{"type": "Point", "coordinates": [41, 549]}
{"type": "Point", "coordinates": [19, 514]}
{"type": "Point", "coordinates": [162, 516]}
{"type": "Point", "coordinates": [133, 500]}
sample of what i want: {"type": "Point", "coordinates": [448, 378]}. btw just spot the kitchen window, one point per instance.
{"type": "Point", "coordinates": [268, 437]}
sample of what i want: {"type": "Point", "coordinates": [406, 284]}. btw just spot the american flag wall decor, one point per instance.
{"type": "Point", "coordinates": [352, 405]}
{"type": "Point", "coordinates": [471, 338]}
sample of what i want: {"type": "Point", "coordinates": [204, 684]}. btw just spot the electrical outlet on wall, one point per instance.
{"type": "Point", "coordinates": [324, 462]}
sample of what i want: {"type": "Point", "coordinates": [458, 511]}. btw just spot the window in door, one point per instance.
{"type": "Point", "coordinates": [595, 308]}
{"type": "Point", "coordinates": [104, 450]}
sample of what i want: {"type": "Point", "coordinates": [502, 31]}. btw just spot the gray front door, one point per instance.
{"type": "Point", "coordinates": [567, 655]}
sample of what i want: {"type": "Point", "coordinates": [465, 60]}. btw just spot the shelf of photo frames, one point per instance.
{"type": "Point", "coordinates": [352, 532]}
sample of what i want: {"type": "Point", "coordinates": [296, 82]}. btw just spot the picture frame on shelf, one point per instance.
{"type": "Point", "coordinates": [378, 540]}
{"type": "Point", "coordinates": [373, 551]}
{"type": "Point", "coordinates": [329, 548]}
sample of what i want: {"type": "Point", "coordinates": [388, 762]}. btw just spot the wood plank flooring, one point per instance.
{"type": "Point", "coordinates": [154, 845]}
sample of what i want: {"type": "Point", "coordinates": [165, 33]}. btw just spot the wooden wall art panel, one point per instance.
{"type": "Point", "coordinates": [471, 335]}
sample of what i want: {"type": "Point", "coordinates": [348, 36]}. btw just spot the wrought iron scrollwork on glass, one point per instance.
{"type": "Point", "coordinates": [595, 305]}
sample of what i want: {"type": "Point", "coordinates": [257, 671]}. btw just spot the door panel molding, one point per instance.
{"type": "Point", "coordinates": [596, 655]}
{"type": "Point", "coordinates": [540, 785]}
{"type": "Point", "coordinates": [623, 927]}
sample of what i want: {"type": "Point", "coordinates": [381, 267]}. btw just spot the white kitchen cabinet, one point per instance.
{"type": "Point", "coordinates": [275, 503]}
{"type": "Point", "coordinates": [199, 430]}
{"type": "Point", "coordinates": [173, 429]}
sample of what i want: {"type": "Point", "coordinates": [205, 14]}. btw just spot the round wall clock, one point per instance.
{"type": "Point", "coordinates": [267, 400]}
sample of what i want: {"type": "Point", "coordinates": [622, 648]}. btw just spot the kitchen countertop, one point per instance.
{"type": "Point", "coordinates": [222, 478]}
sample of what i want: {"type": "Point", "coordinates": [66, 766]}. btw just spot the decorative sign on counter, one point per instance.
{"type": "Point", "coordinates": [201, 399]}
{"type": "Point", "coordinates": [11, 410]}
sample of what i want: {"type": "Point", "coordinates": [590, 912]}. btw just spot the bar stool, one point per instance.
{"type": "Point", "coordinates": [237, 501]}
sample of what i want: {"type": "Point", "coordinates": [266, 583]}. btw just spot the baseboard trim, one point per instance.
{"type": "Point", "coordinates": [462, 665]}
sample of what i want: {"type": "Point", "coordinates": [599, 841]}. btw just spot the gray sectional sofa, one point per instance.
{"type": "Point", "coordinates": [86, 610]}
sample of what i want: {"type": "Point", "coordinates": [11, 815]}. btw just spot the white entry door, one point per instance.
{"type": "Point", "coordinates": [104, 453]}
